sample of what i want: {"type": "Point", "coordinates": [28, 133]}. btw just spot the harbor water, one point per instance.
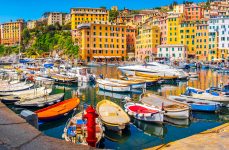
{"type": "Point", "coordinates": [141, 134]}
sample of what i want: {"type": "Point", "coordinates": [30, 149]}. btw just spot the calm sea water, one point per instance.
{"type": "Point", "coordinates": [142, 134]}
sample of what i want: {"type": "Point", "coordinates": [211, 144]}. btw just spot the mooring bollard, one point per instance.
{"type": "Point", "coordinates": [30, 117]}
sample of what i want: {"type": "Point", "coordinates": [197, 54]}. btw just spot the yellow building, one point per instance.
{"type": "Point", "coordinates": [31, 24]}
{"type": "Point", "coordinates": [147, 40]}
{"type": "Point", "coordinates": [101, 42]}
{"type": "Point", "coordinates": [87, 15]}
{"type": "Point", "coordinates": [11, 33]}
{"type": "Point", "coordinates": [202, 39]}
{"type": "Point", "coordinates": [187, 37]}
{"type": "Point", "coordinates": [173, 28]}
{"type": "Point", "coordinates": [213, 46]}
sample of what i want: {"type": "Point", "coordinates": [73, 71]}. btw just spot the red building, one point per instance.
{"type": "Point", "coordinates": [130, 38]}
{"type": "Point", "coordinates": [193, 12]}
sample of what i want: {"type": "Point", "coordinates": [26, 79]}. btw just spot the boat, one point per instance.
{"type": "Point", "coordinates": [94, 64]}
{"type": "Point", "coordinates": [148, 81]}
{"type": "Point", "coordinates": [173, 109]}
{"type": "Point", "coordinates": [197, 104]}
{"type": "Point", "coordinates": [132, 84]}
{"type": "Point", "coordinates": [83, 74]}
{"type": "Point", "coordinates": [63, 78]}
{"type": "Point", "coordinates": [153, 75]}
{"type": "Point", "coordinates": [17, 88]}
{"type": "Point", "coordinates": [31, 94]}
{"type": "Point", "coordinates": [76, 130]}
{"type": "Point", "coordinates": [112, 116]}
{"type": "Point", "coordinates": [144, 113]}
{"type": "Point", "coordinates": [41, 101]}
{"type": "Point", "coordinates": [113, 86]}
{"type": "Point", "coordinates": [17, 93]}
{"type": "Point", "coordinates": [57, 110]}
{"type": "Point", "coordinates": [154, 68]}
{"type": "Point", "coordinates": [212, 97]}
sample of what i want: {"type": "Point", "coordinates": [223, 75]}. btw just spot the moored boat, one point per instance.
{"type": "Point", "coordinates": [63, 78]}
{"type": "Point", "coordinates": [197, 104]}
{"type": "Point", "coordinates": [133, 84]}
{"type": "Point", "coordinates": [57, 110]}
{"type": "Point", "coordinates": [41, 101]}
{"type": "Point", "coordinates": [144, 113]}
{"type": "Point", "coordinates": [113, 86]}
{"type": "Point", "coordinates": [112, 116]}
{"type": "Point", "coordinates": [173, 109]}
{"type": "Point", "coordinates": [76, 130]}
{"type": "Point", "coordinates": [154, 75]}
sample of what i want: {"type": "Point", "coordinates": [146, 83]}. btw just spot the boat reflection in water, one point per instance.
{"type": "Point", "coordinates": [204, 116]}
{"type": "Point", "coordinates": [150, 128]}
{"type": "Point", "coordinates": [177, 122]}
{"type": "Point", "coordinates": [224, 114]}
{"type": "Point", "coordinates": [113, 94]}
{"type": "Point", "coordinates": [116, 136]}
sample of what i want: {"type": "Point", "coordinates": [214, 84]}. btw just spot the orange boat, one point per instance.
{"type": "Point", "coordinates": [57, 110]}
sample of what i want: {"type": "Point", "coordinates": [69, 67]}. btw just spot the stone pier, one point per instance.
{"type": "Point", "coordinates": [16, 133]}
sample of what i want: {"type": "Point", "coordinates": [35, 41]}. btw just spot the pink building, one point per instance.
{"type": "Point", "coordinates": [163, 29]}
{"type": "Point", "coordinates": [193, 12]}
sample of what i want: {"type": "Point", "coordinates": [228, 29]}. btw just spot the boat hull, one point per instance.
{"type": "Point", "coordinates": [182, 114]}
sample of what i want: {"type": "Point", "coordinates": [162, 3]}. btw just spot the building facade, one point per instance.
{"type": "Point", "coordinates": [31, 24]}
{"type": "Point", "coordinates": [187, 36]}
{"type": "Point", "coordinates": [173, 28]}
{"type": "Point", "coordinates": [88, 15]}
{"type": "Point", "coordinates": [147, 40]}
{"type": "Point", "coordinates": [56, 17]}
{"type": "Point", "coordinates": [172, 52]}
{"type": "Point", "coordinates": [178, 8]}
{"type": "Point", "coordinates": [102, 42]}
{"type": "Point", "coordinates": [130, 39]}
{"type": "Point", "coordinates": [219, 33]}
{"type": "Point", "coordinates": [11, 33]}
{"type": "Point", "coordinates": [202, 40]}
{"type": "Point", "coordinates": [193, 12]}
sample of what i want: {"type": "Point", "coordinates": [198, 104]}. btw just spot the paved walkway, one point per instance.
{"type": "Point", "coordinates": [16, 133]}
{"type": "Point", "coordinates": [216, 138]}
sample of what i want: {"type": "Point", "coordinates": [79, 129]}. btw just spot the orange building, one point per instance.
{"type": "Point", "coordinates": [130, 39]}
{"type": "Point", "coordinates": [11, 33]}
{"type": "Point", "coordinates": [101, 42]}
{"type": "Point", "coordinates": [193, 12]}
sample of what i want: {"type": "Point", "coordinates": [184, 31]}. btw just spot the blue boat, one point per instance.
{"type": "Point", "coordinates": [197, 104]}
{"type": "Point", "coordinates": [205, 67]}
{"type": "Point", "coordinates": [48, 65]}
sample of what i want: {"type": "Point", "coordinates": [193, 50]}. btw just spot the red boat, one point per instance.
{"type": "Point", "coordinates": [57, 110]}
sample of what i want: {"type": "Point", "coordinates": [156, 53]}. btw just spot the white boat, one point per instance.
{"type": "Point", "coordinates": [41, 101]}
{"type": "Point", "coordinates": [144, 113]}
{"type": "Point", "coordinates": [208, 96]}
{"type": "Point", "coordinates": [113, 94]}
{"type": "Point", "coordinates": [83, 74]}
{"type": "Point", "coordinates": [133, 84]}
{"type": "Point", "coordinates": [20, 87]}
{"type": "Point", "coordinates": [173, 109]}
{"type": "Point", "coordinates": [155, 69]}
{"type": "Point", "coordinates": [18, 93]}
{"type": "Point", "coordinates": [113, 86]}
{"type": "Point", "coordinates": [193, 75]}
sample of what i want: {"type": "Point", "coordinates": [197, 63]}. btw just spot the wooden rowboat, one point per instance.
{"type": "Point", "coordinates": [17, 88]}
{"type": "Point", "coordinates": [76, 130]}
{"type": "Point", "coordinates": [57, 110]}
{"type": "Point", "coordinates": [42, 101]}
{"type": "Point", "coordinates": [172, 108]}
{"type": "Point", "coordinates": [112, 115]}
{"type": "Point", "coordinates": [113, 86]}
{"type": "Point", "coordinates": [133, 84]}
{"type": "Point", "coordinates": [63, 78]}
{"type": "Point", "coordinates": [144, 113]}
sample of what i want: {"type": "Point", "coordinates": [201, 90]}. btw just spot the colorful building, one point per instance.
{"type": "Point", "coordinates": [55, 17]}
{"type": "Point", "coordinates": [187, 37]}
{"type": "Point", "coordinates": [172, 52]}
{"type": "Point", "coordinates": [11, 33]}
{"type": "Point", "coordinates": [193, 12]}
{"type": "Point", "coordinates": [219, 33]}
{"type": "Point", "coordinates": [147, 40]}
{"type": "Point", "coordinates": [202, 39]}
{"type": "Point", "coordinates": [102, 42]}
{"type": "Point", "coordinates": [179, 8]}
{"type": "Point", "coordinates": [31, 24]}
{"type": "Point", "coordinates": [173, 28]}
{"type": "Point", "coordinates": [130, 39]}
{"type": "Point", "coordinates": [87, 15]}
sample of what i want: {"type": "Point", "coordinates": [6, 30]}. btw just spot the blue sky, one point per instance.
{"type": "Point", "coordinates": [33, 9]}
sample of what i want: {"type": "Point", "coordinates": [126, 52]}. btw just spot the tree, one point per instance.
{"type": "Point", "coordinates": [113, 14]}
{"type": "Point", "coordinates": [25, 36]}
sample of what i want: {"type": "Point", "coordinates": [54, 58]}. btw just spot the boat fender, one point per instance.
{"type": "Point", "coordinates": [65, 114]}
{"type": "Point", "coordinates": [130, 113]}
